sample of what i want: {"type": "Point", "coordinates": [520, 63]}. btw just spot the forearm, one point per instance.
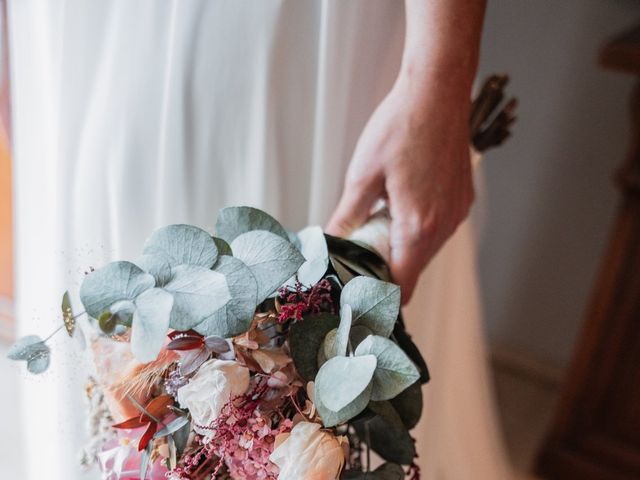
{"type": "Point", "coordinates": [442, 41]}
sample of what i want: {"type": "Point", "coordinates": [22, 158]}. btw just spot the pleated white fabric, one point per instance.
{"type": "Point", "coordinates": [129, 115]}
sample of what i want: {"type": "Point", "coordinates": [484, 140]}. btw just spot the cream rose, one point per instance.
{"type": "Point", "coordinates": [215, 383]}
{"type": "Point", "coordinates": [309, 453]}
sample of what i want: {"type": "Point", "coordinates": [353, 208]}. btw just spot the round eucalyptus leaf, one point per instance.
{"type": "Point", "coordinates": [150, 323]}
{"type": "Point", "coordinates": [39, 362]}
{"type": "Point", "coordinates": [387, 435]}
{"type": "Point", "coordinates": [107, 322]}
{"type": "Point", "coordinates": [236, 316]}
{"type": "Point", "coordinates": [357, 334]}
{"type": "Point", "coordinates": [271, 259]}
{"type": "Point", "coordinates": [329, 347]}
{"type": "Point", "coordinates": [342, 379]}
{"type": "Point", "coordinates": [305, 341]}
{"type": "Point", "coordinates": [408, 404]}
{"type": "Point", "coordinates": [197, 294]}
{"type": "Point", "coordinates": [313, 247]}
{"type": "Point", "coordinates": [234, 221]}
{"type": "Point", "coordinates": [223, 247]}
{"type": "Point", "coordinates": [183, 245]}
{"type": "Point", "coordinates": [157, 265]}
{"type": "Point", "coordinates": [375, 304]}
{"type": "Point", "coordinates": [114, 282]}
{"type": "Point", "coordinates": [122, 312]}
{"type": "Point", "coordinates": [342, 335]}
{"type": "Point", "coordinates": [394, 371]}
{"type": "Point", "coordinates": [25, 347]}
{"type": "Point", "coordinates": [331, 418]}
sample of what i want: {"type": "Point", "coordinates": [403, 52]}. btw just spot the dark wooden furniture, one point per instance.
{"type": "Point", "coordinates": [596, 434]}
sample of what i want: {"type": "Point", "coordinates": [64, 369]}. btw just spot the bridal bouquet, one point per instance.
{"type": "Point", "coordinates": [256, 353]}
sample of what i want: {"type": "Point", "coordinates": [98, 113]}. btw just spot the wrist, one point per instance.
{"type": "Point", "coordinates": [436, 86]}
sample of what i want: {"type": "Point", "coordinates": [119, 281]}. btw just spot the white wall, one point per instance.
{"type": "Point", "coordinates": [550, 193]}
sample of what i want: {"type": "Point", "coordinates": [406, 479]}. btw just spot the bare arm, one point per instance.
{"type": "Point", "coordinates": [415, 148]}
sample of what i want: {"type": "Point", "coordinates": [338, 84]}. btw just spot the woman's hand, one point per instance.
{"type": "Point", "coordinates": [414, 151]}
{"type": "Point", "coordinates": [415, 148]}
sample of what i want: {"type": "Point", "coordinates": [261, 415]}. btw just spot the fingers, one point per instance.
{"type": "Point", "coordinates": [412, 244]}
{"type": "Point", "coordinates": [355, 205]}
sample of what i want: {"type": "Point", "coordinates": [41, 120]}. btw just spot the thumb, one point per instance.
{"type": "Point", "coordinates": [354, 206]}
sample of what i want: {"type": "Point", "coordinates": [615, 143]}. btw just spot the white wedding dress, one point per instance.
{"type": "Point", "coordinates": [129, 115]}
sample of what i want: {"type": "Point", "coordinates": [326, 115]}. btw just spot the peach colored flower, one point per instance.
{"type": "Point", "coordinates": [310, 453]}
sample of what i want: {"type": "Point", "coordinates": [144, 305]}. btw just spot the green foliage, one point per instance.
{"type": "Point", "coordinates": [386, 471]}
{"type": "Point", "coordinates": [236, 316]}
{"type": "Point", "coordinates": [394, 371]}
{"type": "Point", "coordinates": [183, 245]}
{"type": "Point", "coordinates": [305, 340]}
{"type": "Point", "coordinates": [342, 379]}
{"type": "Point", "coordinates": [33, 350]}
{"type": "Point", "coordinates": [408, 404]}
{"type": "Point", "coordinates": [331, 418]}
{"type": "Point", "coordinates": [375, 304]}
{"type": "Point", "coordinates": [197, 293]}
{"type": "Point", "coordinates": [150, 323]}
{"type": "Point", "coordinates": [386, 434]}
{"type": "Point", "coordinates": [223, 247]}
{"type": "Point", "coordinates": [271, 259]}
{"type": "Point", "coordinates": [234, 221]}
{"type": "Point", "coordinates": [313, 247]}
{"type": "Point", "coordinates": [114, 282]}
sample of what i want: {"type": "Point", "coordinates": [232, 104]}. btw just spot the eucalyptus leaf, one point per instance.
{"type": "Point", "coordinates": [172, 427]}
{"type": "Point", "coordinates": [389, 471]}
{"type": "Point", "coordinates": [107, 322]}
{"type": "Point", "coordinates": [234, 221]}
{"type": "Point", "coordinates": [183, 245]}
{"type": "Point", "coordinates": [40, 362]}
{"type": "Point", "coordinates": [25, 348]}
{"type": "Point", "coordinates": [157, 265]}
{"type": "Point", "coordinates": [313, 247]}
{"type": "Point", "coordinates": [32, 350]}
{"type": "Point", "coordinates": [387, 436]}
{"type": "Point", "coordinates": [408, 404]}
{"type": "Point", "coordinates": [337, 340]}
{"type": "Point", "coordinates": [181, 438]}
{"type": "Point", "coordinates": [357, 334]}
{"type": "Point", "coordinates": [197, 294]}
{"type": "Point", "coordinates": [329, 347]}
{"type": "Point", "coordinates": [271, 259]}
{"type": "Point", "coordinates": [114, 282]}
{"type": "Point", "coordinates": [150, 323]}
{"type": "Point", "coordinates": [236, 316]}
{"type": "Point", "coordinates": [222, 246]}
{"type": "Point", "coordinates": [67, 314]}
{"type": "Point", "coordinates": [293, 238]}
{"type": "Point", "coordinates": [331, 418]}
{"type": "Point", "coordinates": [342, 335]}
{"type": "Point", "coordinates": [394, 371]}
{"type": "Point", "coordinates": [344, 274]}
{"type": "Point", "coordinates": [144, 460]}
{"type": "Point", "coordinates": [305, 340]}
{"type": "Point", "coordinates": [122, 312]}
{"type": "Point", "coordinates": [342, 379]}
{"type": "Point", "coordinates": [375, 304]}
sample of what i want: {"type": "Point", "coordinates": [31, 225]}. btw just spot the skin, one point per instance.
{"type": "Point", "coordinates": [414, 150]}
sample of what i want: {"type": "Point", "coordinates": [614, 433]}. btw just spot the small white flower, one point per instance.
{"type": "Point", "coordinates": [215, 383]}
{"type": "Point", "coordinates": [309, 453]}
